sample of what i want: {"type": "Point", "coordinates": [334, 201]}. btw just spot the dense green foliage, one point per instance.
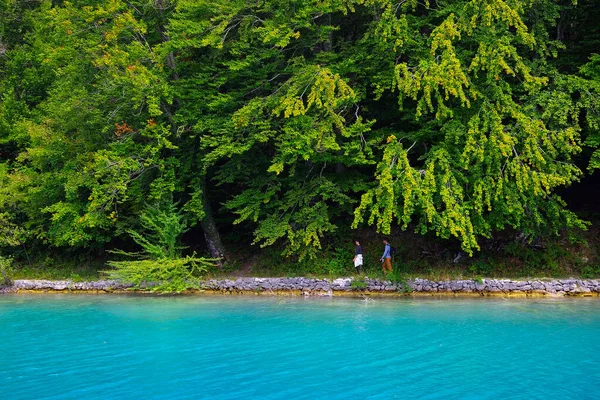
{"type": "Point", "coordinates": [292, 121]}
{"type": "Point", "coordinates": [5, 271]}
{"type": "Point", "coordinates": [160, 266]}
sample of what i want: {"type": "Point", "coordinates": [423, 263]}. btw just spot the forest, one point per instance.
{"type": "Point", "coordinates": [267, 135]}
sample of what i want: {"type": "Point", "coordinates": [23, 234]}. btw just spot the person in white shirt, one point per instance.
{"type": "Point", "coordinates": [358, 256]}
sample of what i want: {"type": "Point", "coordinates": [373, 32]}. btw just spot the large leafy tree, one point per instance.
{"type": "Point", "coordinates": [259, 91]}
{"type": "Point", "coordinates": [496, 134]}
{"type": "Point", "coordinates": [469, 125]}
{"type": "Point", "coordinates": [299, 117]}
{"type": "Point", "coordinates": [95, 136]}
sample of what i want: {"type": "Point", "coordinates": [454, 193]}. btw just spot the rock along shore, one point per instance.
{"type": "Point", "coordinates": [336, 287]}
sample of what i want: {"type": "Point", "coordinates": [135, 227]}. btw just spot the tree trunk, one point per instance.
{"type": "Point", "coordinates": [211, 233]}
{"type": "Point", "coordinates": [561, 25]}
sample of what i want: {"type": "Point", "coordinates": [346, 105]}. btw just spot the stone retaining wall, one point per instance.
{"type": "Point", "coordinates": [342, 286]}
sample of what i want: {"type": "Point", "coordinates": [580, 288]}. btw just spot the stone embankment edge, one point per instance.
{"type": "Point", "coordinates": [336, 287]}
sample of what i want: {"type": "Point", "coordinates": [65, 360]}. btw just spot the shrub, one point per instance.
{"type": "Point", "coordinates": [590, 271]}
{"type": "Point", "coordinates": [164, 274]}
{"type": "Point", "coordinates": [160, 265]}
{"type": "Point", "coordinates": [340, 264]}
{"type": "Point", "coordinates": [358, 284]}
{"type": "Point", "coordinates": [481, 267]}
{"type": "Point", "coordinates": [5, 271]}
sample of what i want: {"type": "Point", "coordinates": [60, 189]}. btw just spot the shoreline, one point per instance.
{"type": "Point", "coordinates": [340, 287]}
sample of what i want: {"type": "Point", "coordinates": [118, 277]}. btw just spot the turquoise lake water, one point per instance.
{"type": "Point", "coordinates": [121, 347]}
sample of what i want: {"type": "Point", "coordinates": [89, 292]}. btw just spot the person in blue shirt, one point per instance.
{"type": "Point", "coordinates": [386, 258]}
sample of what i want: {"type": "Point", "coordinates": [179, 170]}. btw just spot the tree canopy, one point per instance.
{"type": "Point", "coordinates": [295, 119]}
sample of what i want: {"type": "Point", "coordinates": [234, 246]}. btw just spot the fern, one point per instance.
{"type": "Point", "coordinates": [160, 265]}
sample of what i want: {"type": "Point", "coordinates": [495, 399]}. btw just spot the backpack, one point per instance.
{"type": "Point", "coordinates": [392, 250]}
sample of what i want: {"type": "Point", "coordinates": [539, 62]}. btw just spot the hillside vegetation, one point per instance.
{"type": "Point", "coordinates": [263, 136]}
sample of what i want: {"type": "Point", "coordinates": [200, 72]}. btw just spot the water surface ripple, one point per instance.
{"type": "Point", "coordinates": [115, 347]}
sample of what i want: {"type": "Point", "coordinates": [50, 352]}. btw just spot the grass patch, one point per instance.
{"type": "Point", "coordinates": [67, 272]}
{"type": "Point", "coordinates": [64, 266]}
{"type": "Point", "coordinates": [571, 255]}
{"type": "Point", "coordinates": [509, 256]}
{"type": "Point", "coordinates": [358, 284]}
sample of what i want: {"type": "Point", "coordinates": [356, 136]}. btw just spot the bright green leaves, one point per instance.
{"type": "Point", "coordinates": [443, 75]}
{"type": "Point", "coordinates": [204, 23]}
{"type": "Point", "coordinates": [504, 176]}
{"type": "Point", "coordinates": [99, 129]}
{"type": "Point", "coordinates": [508, 137]}
{"type": "Point", "coordinates": [301, 215]}
{"type": "Point", "coordinates": [311, 87]}
{"type": "Point", "coordinates": [10, 233]}
{"type": "Point", "coordinates": [485, 141]}
{"type": "Point", "coordinates": [307, 127]}
{"type": "Point", "coordinates": [319, 88]}
{"type": "Point", "coordinates": [160, 261]}
{"type": "Point", "coordinates": [434, 193]}
{"type": "Point", "coordinates": [286, 123]}
{"type": "Point", "coordinates": [392, 29]}
{"type": "Point", "coordinates": [589, 91]}
{"type": "Point", "coordinates": [437, 78]}
{"type": "Point", "coordinates": [443, 117]}
{"type": "Point", "coordinates": [507, 15]}
{"type": "Point", "coordinates": [310, 105]}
